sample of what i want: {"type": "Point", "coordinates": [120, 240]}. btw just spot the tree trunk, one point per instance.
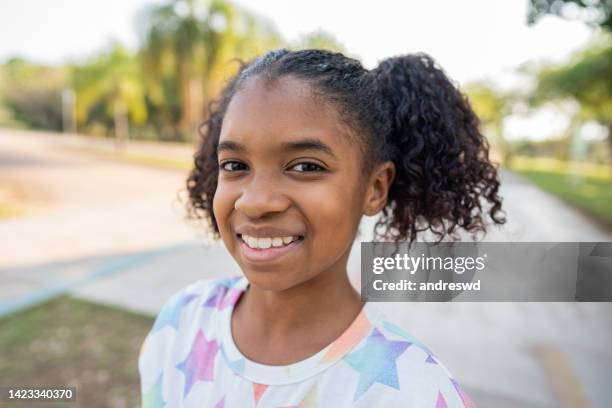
{"type": "Point", "coordinates": [121, 125]}
{"type": "Point", "coordinates": [193, 106]}
{"type": "Point", "coordinates": [610, 148]}
{"type": "Point", "coordinates": [610, 143]}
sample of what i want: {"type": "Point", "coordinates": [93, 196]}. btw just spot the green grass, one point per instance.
{"type": "Point", "coordinates": [584, 185]}
{"type": "Point", "coordinates": [72, 342]}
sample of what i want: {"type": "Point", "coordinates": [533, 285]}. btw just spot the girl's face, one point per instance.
{"type": "Point", "coordinates": [290, 191]}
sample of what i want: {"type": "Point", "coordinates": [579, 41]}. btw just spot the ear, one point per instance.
{"type": "Point", "coordinates": [378, 188]}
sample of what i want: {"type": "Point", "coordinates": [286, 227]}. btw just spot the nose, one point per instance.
{"type": "Point", "coordinates": [261, 195]}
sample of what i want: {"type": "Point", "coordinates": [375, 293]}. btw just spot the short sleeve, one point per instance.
{"type": "Point", "coordinates": [173, 326]}
{"type": "Point", "coordinates": [437, 387]}
{"type": "Point", "coordinates": [422, 380]}
{"type": "Point", "coordinates": [157, 343]}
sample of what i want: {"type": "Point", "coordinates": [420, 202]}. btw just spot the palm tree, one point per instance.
{"type": "Point", "coordinates": [187, 47]}
{"type": "Point", "coordinates": [113, 81]}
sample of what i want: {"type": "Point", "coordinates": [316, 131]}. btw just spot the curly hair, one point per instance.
{"type": "Point", "coordinates": [407, 111]}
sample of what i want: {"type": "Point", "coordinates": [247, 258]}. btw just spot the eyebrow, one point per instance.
{"type": "Point", "coordinates": [303, 144]}
{"type": "Point", "coordinates": [232, 146]}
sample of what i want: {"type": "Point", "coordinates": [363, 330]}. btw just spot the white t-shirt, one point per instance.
{"type": "Point", "coordinates": [189, 359]}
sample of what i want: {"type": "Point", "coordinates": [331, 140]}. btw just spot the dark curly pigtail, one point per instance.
{"type": "Point", "coordinates": [443, 173]}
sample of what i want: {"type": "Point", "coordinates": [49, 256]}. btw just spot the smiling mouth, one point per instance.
{"type": "Point", "coordinates": [262, 243]}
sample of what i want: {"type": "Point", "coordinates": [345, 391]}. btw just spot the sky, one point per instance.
{"type": "Point", "coordinates": [470, 39]}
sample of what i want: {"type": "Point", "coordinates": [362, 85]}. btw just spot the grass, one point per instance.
{"type": "Point", "coordinates": [72, 342]}
{"type": "Point", "coordinates": [586, 186]}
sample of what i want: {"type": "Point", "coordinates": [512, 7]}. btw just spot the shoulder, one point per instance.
{"type": "Point", "coordinates": [413, 369]}
{"type": "Point", "coordinates": [189, 310]}
{"type": "Point", "coordinates": [205, 292]}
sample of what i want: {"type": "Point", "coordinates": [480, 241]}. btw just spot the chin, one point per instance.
{"type": "Point", "coordinates": [270, 279]}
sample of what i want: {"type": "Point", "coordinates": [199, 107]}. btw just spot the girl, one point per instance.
{"type": "Point", "coordinates": [299, 147]}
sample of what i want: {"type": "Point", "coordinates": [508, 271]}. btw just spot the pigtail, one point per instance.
{"type": "Point", "coordinates": [444, 179]}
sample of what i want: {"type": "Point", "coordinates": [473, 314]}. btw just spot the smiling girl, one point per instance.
{"type": "Point", "coordinates": [299, 147]}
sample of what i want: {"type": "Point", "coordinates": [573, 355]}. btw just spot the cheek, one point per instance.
{"type": "Point", "coordinates": [334, 213]}
{"type": "Point", "coordinates": [223, 205]}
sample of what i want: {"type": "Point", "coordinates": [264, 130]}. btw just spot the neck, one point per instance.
{"type": "Point", "coordinates": [321, 300]}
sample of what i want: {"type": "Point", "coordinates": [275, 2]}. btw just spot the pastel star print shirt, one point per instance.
{"type": "Point", "coordinates": [189, 359]}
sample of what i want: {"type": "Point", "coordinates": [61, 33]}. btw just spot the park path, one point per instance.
{"type": "Point", "coordinates": [114, 232]}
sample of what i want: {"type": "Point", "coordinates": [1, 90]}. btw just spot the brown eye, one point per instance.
{"type": "Point", "coordinates": [307, 167]}
{"type": "Point", "coordinates": [232, 166]}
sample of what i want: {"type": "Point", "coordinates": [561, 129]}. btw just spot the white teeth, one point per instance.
{"type": "Point", "coordinates": [264, 243]}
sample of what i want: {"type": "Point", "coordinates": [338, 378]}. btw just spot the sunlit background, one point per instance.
{"type": "Point", "coordinates": [99, 106]}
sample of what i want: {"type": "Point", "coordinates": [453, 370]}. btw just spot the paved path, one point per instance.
{"type": "Point", "coordinates": [113, 233]}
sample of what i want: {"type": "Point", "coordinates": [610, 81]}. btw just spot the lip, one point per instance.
{"type": "Point", "coordinates": [268, 254]}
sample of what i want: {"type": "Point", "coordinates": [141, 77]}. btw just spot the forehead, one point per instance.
{"type": "Point", "coordinates": [264, 112]}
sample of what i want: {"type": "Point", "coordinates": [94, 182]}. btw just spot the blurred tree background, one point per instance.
{"type": "Point", "coordinates": [584, 81]}
{"type": "Point", "coordinates": [576, 163]}
{"type": "Point", "coordinates": [492, 106]}
{"type": "Point", "coordinates": [188, 48]}
{"type": "Point", "coordinates": [592, 12]}
{"type": "Point", "coordinates": [580, 87]}
{"type": "Point", "coordinates": [31, 94]}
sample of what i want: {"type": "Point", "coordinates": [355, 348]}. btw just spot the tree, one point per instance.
{"type": "Point", "coordinates": [491, 106]}
{"type": "Point", "coordinates": [113, 82]}
{"type": "Point", "coordinates": [187, 47]}
{"type": "Point", "coordinates": [32, 93]}
{"type": "Point", "coordinates": [586, 79]}
{"type": "Point", "coordinates": [592, 12]}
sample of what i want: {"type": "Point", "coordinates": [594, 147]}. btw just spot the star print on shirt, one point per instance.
{"type": "Point", "coordinates": [400, 332]}
{"type": "Point", "coordinates": [441, 402]}
{"type": "Point", "coordinates": [464, 397]}
{"type": "Point", "coordinates": [154, 397]}
{"type": "Point", "coordinates": [171, 313]}
{"type": "Point", "coordinates": [223, 298]}
{"type": "Point", "coordinates": [258, 390]}
{"type": "Point", "coordinates": [199, 364]}
{"type": "Point", "coordinates": [375, 362]}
